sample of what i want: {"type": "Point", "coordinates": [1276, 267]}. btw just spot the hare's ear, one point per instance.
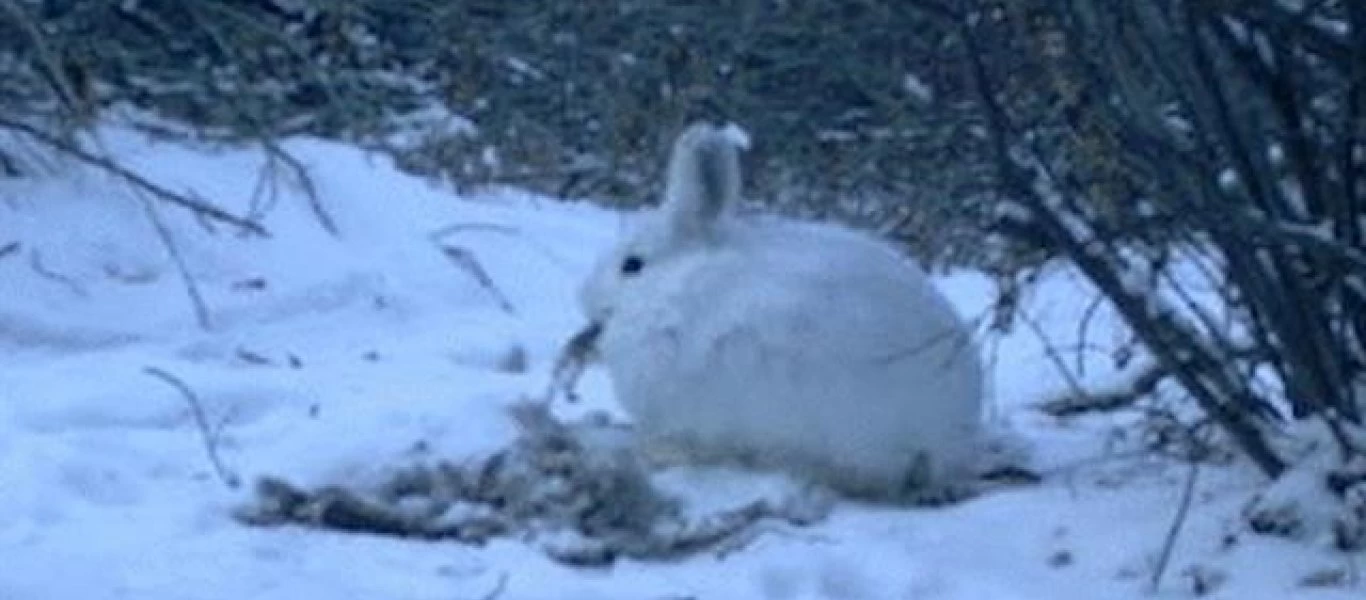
{"type": "Point", "coordinates": [704, 177]}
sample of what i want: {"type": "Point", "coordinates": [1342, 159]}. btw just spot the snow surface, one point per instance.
{"type": "Point", "coordinates": [330, 358]}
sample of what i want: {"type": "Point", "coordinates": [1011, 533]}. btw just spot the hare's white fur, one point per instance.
{"type": "Point", "coordinates": [807, 347]}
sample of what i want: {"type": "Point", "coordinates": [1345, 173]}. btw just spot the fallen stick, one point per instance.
{"type": "Point", "coordinates": [201, 420]}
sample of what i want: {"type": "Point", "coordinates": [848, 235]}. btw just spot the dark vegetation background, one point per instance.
{"type": "Point", "coordinates": [1123, 137]}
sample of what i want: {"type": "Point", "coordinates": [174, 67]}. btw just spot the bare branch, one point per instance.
{"type": "Point", "coordinates": [108, 165]}
{"type": "Point", "coordinates": [1055, 356]}
{"type": "Point", "coordinates": [305, 181]}
{"type": "Point", "coordinates": [1084, 328]}
{"type": "Point", "coordinates": [201, 309]}
{"type": "Point", "coordinates": [1178, 522]}
{"type": "Point", "coordinates": [1174, 346]}
{"type": "Point", "coordinates": [51, 63]}
{"type": "Point", "coordinates": [466, 261]}
{"type": "Point", "coordinates": [35, 262]}
{"type": "Point", "coordinates": [10, 248]}
{"type": "Point", "coordinates": [498, 588]}
{"type": "Point", "coordinates": [206, 432]}
{"type": "Point", "coordinates": [1113, 397]}
{"type": "Point", "coordinates": [459, 227]}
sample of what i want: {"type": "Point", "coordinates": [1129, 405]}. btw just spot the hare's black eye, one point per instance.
{"type": "Point", "coordinates": [632, 265]}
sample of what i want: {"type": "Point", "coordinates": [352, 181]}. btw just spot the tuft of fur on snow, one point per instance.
{"type": "Point", "coordinates": [578, 488]}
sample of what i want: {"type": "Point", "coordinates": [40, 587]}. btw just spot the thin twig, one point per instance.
{"type": "Point", "coordinates": [437, 236]}
{"type": "Point", "coordinates": [962, 337]}
{"type": "Point", "coordinates": [1055, 356]}
{"type": "Point", "coordinates": [35, 261]}
{"type": "Point", "coordinates": [305, 181]}
{"type": "Point", "coordinates": [108, 165]}
{"type": "Point", "coordinates": [454, 228]}
{"type": "Point", "coordinates": [9, 249]}
{"type": "Point", "coordinates": [268, 135]}
{"type": "Point", "coordinates": [1178, 522]}
{"type": "Point", "coordinates": [201, 420]}
{"type": "Point", "coordinates": [498, 588]}
{"type": "Point", "coordinates": [465, 260]}
{"type": "Point", "coordinates": [201, 309]}
{"type": "Point", "coordinates": [1084, 328]}
{"type": "Point", "coordinates": [47, 57]}
{"type": "Point", "coordinates": [1119, 396]}
{"type": "Point", "coordinates": [265, 191]}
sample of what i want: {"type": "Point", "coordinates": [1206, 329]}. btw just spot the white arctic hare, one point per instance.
{"type": "Point", "coordinates": [806, 347]}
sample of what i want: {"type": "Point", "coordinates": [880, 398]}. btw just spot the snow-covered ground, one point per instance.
{"type": "Point", "coordinates": [329, 358]}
